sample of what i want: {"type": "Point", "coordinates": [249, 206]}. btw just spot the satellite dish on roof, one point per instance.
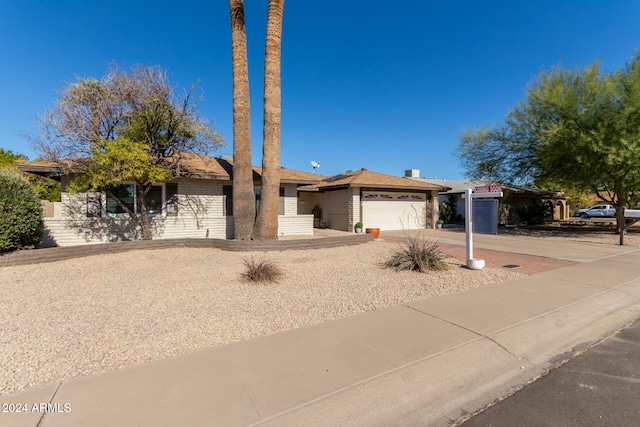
{"type": "Point", "coordinates": [315, 165]}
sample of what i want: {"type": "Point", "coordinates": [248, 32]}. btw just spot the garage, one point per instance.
{"type": "Point", "coordinates": [377, 200]}
{"type": "Point", "coordinates": [394, 210]}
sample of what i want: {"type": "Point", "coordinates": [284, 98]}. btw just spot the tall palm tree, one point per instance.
{"type": "Point", "coordinates": [244, 205]}
{"type": "Point", "coordinates": [266, 227]}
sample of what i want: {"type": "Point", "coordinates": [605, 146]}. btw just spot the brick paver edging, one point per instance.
{"type": "Point", "coordinates": [62, 253]}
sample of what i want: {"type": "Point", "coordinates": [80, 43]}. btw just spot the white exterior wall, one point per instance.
{"type": "Point", "coordinates": [355, 210]}
{"type": "Point", "coordinates": [200, 211]}
{"type": "Point", "coordinates": [335, 209]}
{"type": "Point", "coordinates": [295, 225]}
{"type": "Point", "coordinates": [291, 223]}
{"type": "Point", "coordinates": [290, 200]}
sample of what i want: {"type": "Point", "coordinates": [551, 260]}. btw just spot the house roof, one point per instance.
{"type": "Point", "coordinates": [206, 167]}
{"type": "Point", "coordinates": [461, 185]}
{"type": "Point", "coordinates": [45, 168]}
{"type": "Point", "coordinates": [192, 165]}
{"type": "Point", "coordinates": [365, 178]}
{"type": "Point", "coordinates": [455, 185]}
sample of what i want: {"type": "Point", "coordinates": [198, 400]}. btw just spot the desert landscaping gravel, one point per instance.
{"type": "Point", "coordinates": [83, 316]}
{"type": "Point", "coordinates": [87, 315]}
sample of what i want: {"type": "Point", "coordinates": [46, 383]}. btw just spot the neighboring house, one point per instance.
{"type": "Point", "coordinates": [377, 200]}
{"type": "Point", "coordinates": [200, 204]}
{"type": "Point", "coordinates": [514, 196]}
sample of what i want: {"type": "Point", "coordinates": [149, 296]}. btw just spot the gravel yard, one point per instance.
{"type": "Point", "coordinates": [83, 316]}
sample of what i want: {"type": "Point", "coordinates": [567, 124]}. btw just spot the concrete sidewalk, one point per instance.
{"type": "Point", "coordinates": [430, 362]}
{"type": "Point", "coordinates": [561, 249]}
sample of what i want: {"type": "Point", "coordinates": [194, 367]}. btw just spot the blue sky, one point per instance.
{"type": "Point", "coordinates": [365, 83]}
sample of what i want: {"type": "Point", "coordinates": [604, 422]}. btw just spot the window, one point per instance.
{"type": "Point", "coordinates": [227, 195]}
{"type": "Point", "coordinates": [126, 194]}
{"type": "Point", "coordinates": [227, 192]}
{"type": "Point", "coordinates": [154, 200]}
{"type": "Point", "coordinates": [281, 202]}
{"type": "Point", "coordinates": [171, 195]}
{"type": "Point", "coordinates": [159, 195]}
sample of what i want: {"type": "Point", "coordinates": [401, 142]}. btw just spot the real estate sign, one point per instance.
{"type": "Point", "coordinates": [487, 189]}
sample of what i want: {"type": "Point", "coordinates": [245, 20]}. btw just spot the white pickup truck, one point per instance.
{"type": "Point", "coordinates": [597, 211]}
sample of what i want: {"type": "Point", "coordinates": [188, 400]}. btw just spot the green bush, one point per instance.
{"type": "Point", "coordinates": [535, 213]}
{"type": "Point", "coordinates": [418, 254]}
{"type": "Point", "coordinates": [449, 209]}
{"type": "Point", "coordinates": [20, 213]}
{"type": "Point", "coordinates": [446, 214]}
{"type": "Point", "coordinates": [261, 271]}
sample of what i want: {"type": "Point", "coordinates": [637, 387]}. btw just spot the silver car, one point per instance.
{"type": "Point", "coordinates": [597, 211]}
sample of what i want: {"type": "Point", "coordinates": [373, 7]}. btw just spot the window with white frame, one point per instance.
{"type": "Point", "coordinates": [159, 195]}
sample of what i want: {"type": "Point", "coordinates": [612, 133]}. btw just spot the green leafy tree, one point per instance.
{"type": "Point", "coordinates": [45, 188]}
{"type": "Point", "coordinates": [573, 195]}
{"type": "Point", "coordinates": [126, 127]}
{"type": "Point", "coordinates": [579, 129]}
{"type": "Point", "coordinates": [9, 159]}
{"type": "Point", "coordinates": [20, 212]}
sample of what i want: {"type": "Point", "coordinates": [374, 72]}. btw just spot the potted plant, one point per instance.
{"type": "Point", "coordinates": [374, 231]}
{"type": "Point", "coordinates": [317, 214]}
{"type": "Point", "coordinates": [358, 227]}
{"type": "Point", "coordinates": [439, 223]}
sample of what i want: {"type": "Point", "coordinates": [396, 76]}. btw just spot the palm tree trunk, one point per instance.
{"type": "Point", "coordinates": [244, 205]}
{"type": "Point", "coordinates": [267, 222]}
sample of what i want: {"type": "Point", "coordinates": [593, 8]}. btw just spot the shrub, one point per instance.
{"type": "Point", "coordinates": [535, 213]}
{"type": "Point", "coordinates": [449, 209]}
{"type": "Point", "coordinates": [446, 215]}
{"type": "Point", "coordinates": [418, 254]}
{"type": "Point", "coordinates": [261, 271]}
{"type": "Point", "coordinates": [20, 213]}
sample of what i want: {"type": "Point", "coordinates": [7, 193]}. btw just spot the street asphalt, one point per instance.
{"type": "Point", "coordinates": [600, 387]}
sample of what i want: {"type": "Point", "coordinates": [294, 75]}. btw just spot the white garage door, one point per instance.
{"type": "Point", "coordinates": [394, 211]}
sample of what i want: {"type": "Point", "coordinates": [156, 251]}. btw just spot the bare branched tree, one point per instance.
{"type": "Point", "coordinates": [127, 126]}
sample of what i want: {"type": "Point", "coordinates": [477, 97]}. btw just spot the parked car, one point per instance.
{"type": "Point", "coordinates": [597, 211]}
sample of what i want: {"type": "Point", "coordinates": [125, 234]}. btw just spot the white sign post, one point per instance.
{"type": "Point", "coordinates": [489, 191]}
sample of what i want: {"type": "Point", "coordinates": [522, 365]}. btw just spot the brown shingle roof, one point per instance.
{"type": "Point", "coordinates": [365, 178]}
{"type": "Point", "coordinates": [192, 165]}
{"type": "Point", "coordinates": [205, 167]}
{"type": "Point", "coordinates": [46, 168]}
